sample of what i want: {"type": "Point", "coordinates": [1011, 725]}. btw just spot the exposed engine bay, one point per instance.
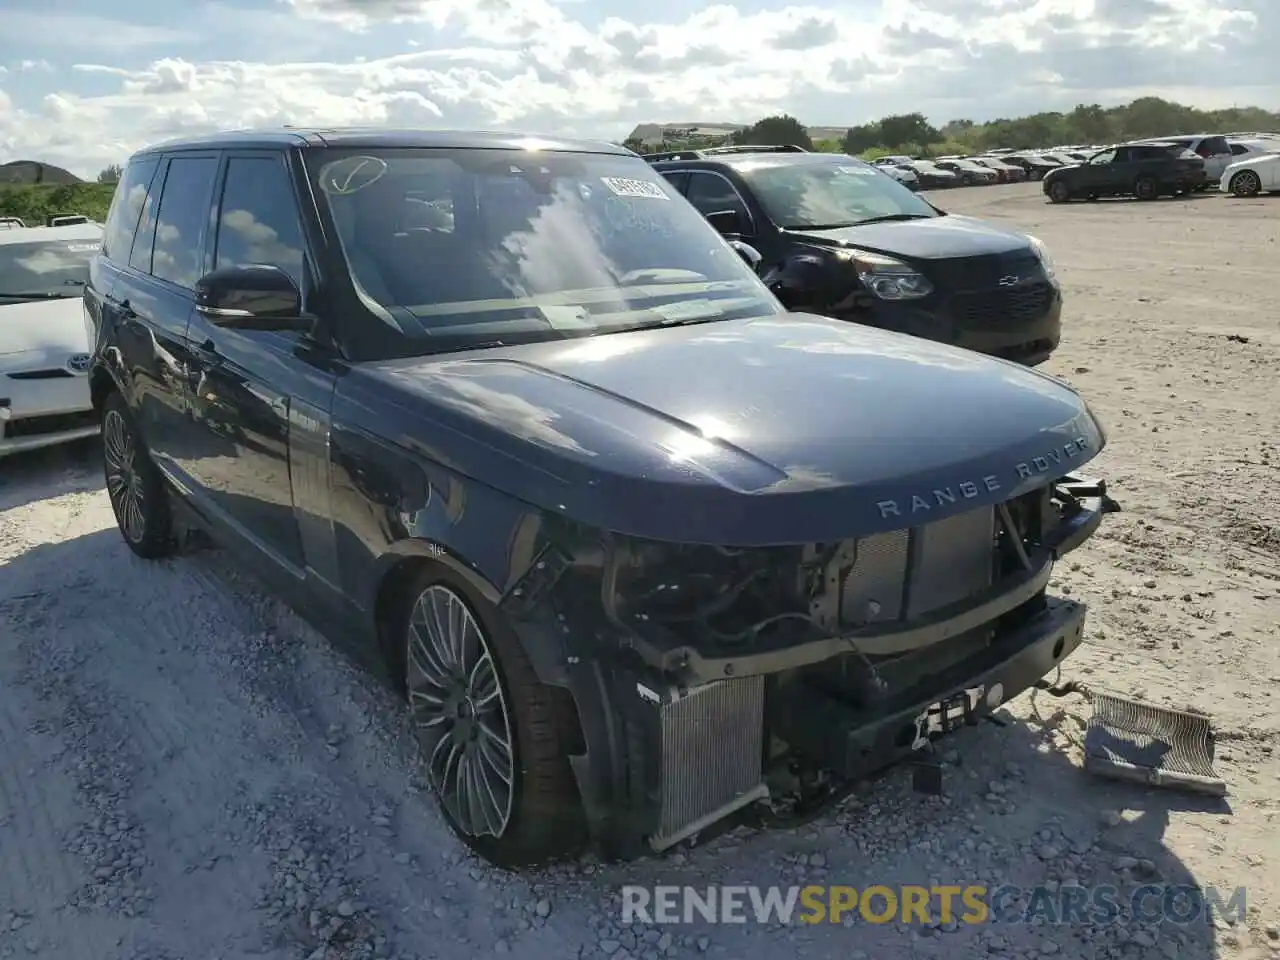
{"type": "Point", "coordinates": [828, 660]}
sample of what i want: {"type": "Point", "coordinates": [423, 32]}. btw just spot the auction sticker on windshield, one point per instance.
{"type": "Point", "coordinates": [626, 187]}
{"type": "Point", "coordinates": [858, 171]}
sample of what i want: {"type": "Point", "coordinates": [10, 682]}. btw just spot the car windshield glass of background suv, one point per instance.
{"type": "Point", "coordinates": [820, 196]}
{"type": "Point", "coordinates": [44, 269]}
{"type": "Point", "coordinates": [468, 248]}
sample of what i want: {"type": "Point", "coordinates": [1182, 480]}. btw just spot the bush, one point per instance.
{"type": "Point", "coordinates": [35, 203]}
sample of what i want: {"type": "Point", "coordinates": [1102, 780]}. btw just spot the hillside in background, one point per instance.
{"type": "Point", "coordinates": [913, 134]}
{"type": "Point", "coordinates": [32, 171]}
{"type": "Point", "coordinates": [35, 203]}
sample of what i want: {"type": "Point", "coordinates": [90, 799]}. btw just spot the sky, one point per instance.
{"type": "Point", "coordinates": [85, 82]}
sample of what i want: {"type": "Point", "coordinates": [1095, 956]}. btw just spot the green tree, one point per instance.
{"type": "Point", "coordinates": [36, 203]}
{"type": "Point", "coordinates": [110, 174]}
{"type": "Point", "coordinates": [860, 139]}
{"type": "Point", "coordinates": [908, 128]}
{"type": "Point", "coordinates": [780, 130]}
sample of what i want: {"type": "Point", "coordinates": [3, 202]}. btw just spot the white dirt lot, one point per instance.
{"type": "Point", "coordinates": [187, 771]}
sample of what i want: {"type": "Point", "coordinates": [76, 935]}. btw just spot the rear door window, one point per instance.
{"type": "Point", "coordinates": [1213, 147]}
{"type": "Point", "coordinates": [126, 207]}
{"type": "Point", "coordinates": [181, 220]}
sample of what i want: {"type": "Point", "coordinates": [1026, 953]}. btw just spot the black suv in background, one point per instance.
{"type": "Point", "coordinates": [839, 237]}
{"type": "Point", "coordinates": [1142, 170]}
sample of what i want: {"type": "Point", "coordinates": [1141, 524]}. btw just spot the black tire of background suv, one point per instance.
{"type": "Point", "coordinates": [1059, 192]}
{"type": "Point", "coordinates": [1146, 188]}
{"type": "Point", "coordinates": [157, 520]}
{"type": "Point", "coordinates": [547, 821]}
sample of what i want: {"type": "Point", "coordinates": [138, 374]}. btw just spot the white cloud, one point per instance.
{"type": "Point", "coordinates": [537, 65]}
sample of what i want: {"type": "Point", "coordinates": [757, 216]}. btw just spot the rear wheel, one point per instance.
{"type": "Point", "coordinates": [1059, 192]}
{"type": "Point", "coordinates": [1246, 183]}
{"type": "Point", "coordinates": [1146, 189]}
{"type": "Point", "coordinates": [135, 487]}
{"type": "Point", "coordinates": [492, 737]}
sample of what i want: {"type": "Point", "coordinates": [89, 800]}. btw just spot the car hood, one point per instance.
{"type": "Point", "coordinates": [1257, 160]}
{"type": "Point", "coordinates": [785, 429]}
{"type": "Point", "coordinates": [937, 238]}
{"type": "Point", "coordinates": [45, 327]}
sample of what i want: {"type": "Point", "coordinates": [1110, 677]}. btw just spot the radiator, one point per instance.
{"type": "Point", "coordinates": [905, 574]}
{"type": "Point", "coordinates": [712, 746]}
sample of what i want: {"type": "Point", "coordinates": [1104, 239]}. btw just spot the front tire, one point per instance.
{"type": "Point", "coordinates": [139, 498]}
{"type": "Point", "coordinates": [491, 735]}
{"type": "Point", "coordinates": [1246, 183]}
{"type": "Point", "coordinates": [1059, 192]}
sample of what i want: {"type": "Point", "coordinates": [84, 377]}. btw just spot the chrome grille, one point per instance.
{"type": "Point", "coordinates": [905, 574]}
{"type": "Point", "coordinates": [712, 747]}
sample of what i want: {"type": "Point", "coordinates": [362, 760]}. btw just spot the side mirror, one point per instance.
{"type": "Point", "coordinates": [727, 223]}
{"type": "Point", "coordinates": [749, 254]}
{"type": "Point", "coordinates": [255, 297]}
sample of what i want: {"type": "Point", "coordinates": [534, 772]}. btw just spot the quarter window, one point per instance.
{"type": "Point", "coordinates": [126, 207]}
{"type": "Point", "coordinates": [144, 239]}
{"type": "Point", "coordinates": [180, 221]}
{"type": "Point", "coordinates": [258, 219]}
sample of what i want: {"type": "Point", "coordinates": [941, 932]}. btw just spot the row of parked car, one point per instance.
{"type": "Point", "coordinates": [506, 418]}
{"type": "Point", "coordinates": [1009, 165]}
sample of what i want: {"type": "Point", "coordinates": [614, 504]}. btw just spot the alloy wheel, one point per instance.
{"type": "Point", "coordinates": [1245, 184]}
{"type": "Point", "coordinates": [124, 482]}
{"type": "Point", "coordinates": [460, 713]}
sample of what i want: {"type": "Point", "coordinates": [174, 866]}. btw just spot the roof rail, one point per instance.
{"type": "Point", "coordinates": [722, 151]}
{"type": "Point", "coordinates": [758, 148]}
{"type": "Point", "coordinates": [672, 155]}
{"type": "Point", "coordinates": [12, 223]}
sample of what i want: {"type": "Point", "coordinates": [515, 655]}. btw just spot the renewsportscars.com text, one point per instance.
{"type": "Point", "coordinates": [969, 905]}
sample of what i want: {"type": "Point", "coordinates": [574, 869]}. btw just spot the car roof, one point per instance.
{"type": "Point", "coordinates": [370, 137]}
{"type": "Point", "coordinates": [74, 231]}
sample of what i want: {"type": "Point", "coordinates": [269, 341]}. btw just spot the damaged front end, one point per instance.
{"type": "Point", "coordinates": [698, 669]}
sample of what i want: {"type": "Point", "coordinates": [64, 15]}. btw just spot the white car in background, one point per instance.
{"type": "Point", "coordinates": [1252, 175]}
{"type": "Point", "coordinates": [904, 175]}
{"type": "Point", "coordinates": [1213, 149]}
{"type": "Point", "coordinates": [44, 339]}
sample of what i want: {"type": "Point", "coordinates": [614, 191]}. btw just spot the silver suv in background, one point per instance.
{"type": "Point", "coordinates": [1213, 149]}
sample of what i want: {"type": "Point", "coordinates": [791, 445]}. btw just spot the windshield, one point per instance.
{"type": "Point", "coordinates": [481, 247]}
{"type": "Point", "coordinates": [44, 269]}
{"type": "Point", "coordinates": [824, 195]}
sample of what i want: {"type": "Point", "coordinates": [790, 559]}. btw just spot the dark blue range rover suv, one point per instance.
{"type": "Point", "coordinates": [510, 420]}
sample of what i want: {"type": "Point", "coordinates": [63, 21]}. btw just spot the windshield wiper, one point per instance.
{"type": "Point", "coordinates": [821, 226]}
{"type": "Point", "coordinates": [891, 217]}
{"type": "Point", "coordinates": [665, 322]}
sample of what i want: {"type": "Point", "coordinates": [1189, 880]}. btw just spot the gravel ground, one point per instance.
{"type": "Point", "coordinates": [187, 771]}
